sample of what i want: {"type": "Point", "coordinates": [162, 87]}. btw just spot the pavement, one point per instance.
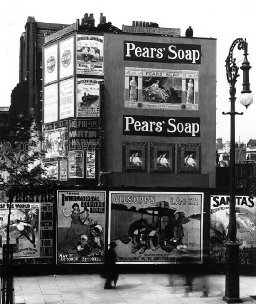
{"type": "Point", "coordinates": [131, 289]}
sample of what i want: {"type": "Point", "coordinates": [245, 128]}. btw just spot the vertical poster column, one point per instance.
{"type": "Point", "coordinates": [156, 227]}
{"type": "Point", "coordinates": [81, 226]}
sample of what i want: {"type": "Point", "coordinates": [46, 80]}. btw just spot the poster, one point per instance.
{"type": "Point", "coordinates": [81, 226]}
{"type": "Point", "coordinates": [67, 57]}
{"type": "Point", "coordinates": [50, 106]}
{"type": "Point", "coordinates": [161, 89]}
{"type": "Point", "coordinates": [51, 170]}
{"type": "Point", "coordinates": [156, 227]}
{"type": "Point", "coordinates": [90, 164]}
{"type": "Point", "coordinates": [88, 98]}
{"type": "Point", "coordinates": [24, 228]}
{"type": "Point", "coordinates": [63, 170]}
{"type": "Point", "coordinates": [89, 55]}
{"type": "Point", "coordinates": [55, 143]}
{"type": "Point", "coordinates": [67, 98]}
{"type": "Point", "coordinates": [75, 164]}
{"type": "Point", "coordinates": [50, 63]}
{"type": "Point", "coordinates": [246, 227]}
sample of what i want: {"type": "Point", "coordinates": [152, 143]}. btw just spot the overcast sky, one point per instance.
{"type": "Point", "coordinates": [224, 20]}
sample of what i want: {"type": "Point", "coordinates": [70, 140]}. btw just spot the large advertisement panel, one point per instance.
{"type": "Point", "coordinates": [24, 228]}
{"type": "Point", "coordinates": [50, 63]}
{"type": "Point", "coordinates": [89, 55]}
{"type": "Point", "coordinates": [67, 57]}
{"type": "Point", "coordinates": [156, 227]}
{"type": "Point", "coordinates": [161, 89]}
{"type": "Point", "coordinates": [88, 98]}
{"type": "Point", "coordinates": [67, 93]}
{"type": "Point", "coordinates": [81, 226]}
{"type": "Point", "coordinates": [246, 227]}
{"type": "Point", "coordinates": [50, 108]}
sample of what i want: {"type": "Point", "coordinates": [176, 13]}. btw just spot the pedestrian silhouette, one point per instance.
{"type": "Point", "coordinates": [111, 269]}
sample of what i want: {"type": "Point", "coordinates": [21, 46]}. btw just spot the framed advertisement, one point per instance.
{"type": "Point", "coordinates": [162, 157]}
{"type": "Point", "coordinates": [156, 227]}
{"type": "Point", "coordinates": [81, 226]}
{"type": "Point", "coordinates": [134, 156]}
{"type": "Point", "coordinates": [189, 158]}
{"type": "Point", "coordinates": [75, 164]}
{"type": "Point", "coordinates": [161, 89]}
{"type": "Point", "coordinates": [66, 57]}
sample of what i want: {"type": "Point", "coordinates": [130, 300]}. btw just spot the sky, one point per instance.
{"type": "Point", "coordinates": [224, 20]}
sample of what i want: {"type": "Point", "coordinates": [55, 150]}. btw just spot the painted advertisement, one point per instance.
{"type": "Point", "coordinates": [89, 55]}
{"type": "Point", "coordinates": [24, 228]}
{"type": "Point", "coordinates": [67, 93]}
{"type": "Point", "coordinates": [55, 143]}
{"type": "Point", "coordinates": [67, 57]}
{"type": "Point", "coordinates": [50, 107]}
{"type": "Point", "coordinates": [245, 222]}
{"type": "Point", "coordinates": [81, 226]}
{"type": "Point", "coordinates": [75, 164]}
{"type": "Point", "coordinates": [156, 227]}
{"type": "Point", "coordinates": [161, 89]}
{"type": "Point", "coordinates": [88, 98]}
{"type": "Point", "coordinates": [50, 63]}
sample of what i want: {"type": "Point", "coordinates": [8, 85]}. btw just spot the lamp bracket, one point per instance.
{"type": "Point", "coordinates": [232, 113]}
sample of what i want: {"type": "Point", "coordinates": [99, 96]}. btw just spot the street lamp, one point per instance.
{"type": "Point", "coordinates": [232, 246]}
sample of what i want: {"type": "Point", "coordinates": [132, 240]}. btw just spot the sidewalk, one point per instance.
{"type": "Point", "coordinates": [131, 289]}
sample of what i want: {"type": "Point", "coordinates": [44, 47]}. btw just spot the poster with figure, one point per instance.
{"type": "Point", "coordinates": [55, 143]}
{"type": "Point", "coordinates": [161, 89]}
{"type": "Point", "coordinates": [89, 55]}
{"type": "Point", "coordinates": [245, 227]}
{"type": "Point", "coordinates": [24, 228]}
{"type": "Point", "coordinates": [81, 226]}
{"type": "Point", "coordinates": [75, 164]}
{"type": "Point", "coordinates": [162, 157]}
{"type": "Point", "coordinates": [156, 227]}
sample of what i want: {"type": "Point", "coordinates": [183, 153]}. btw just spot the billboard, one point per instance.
{"type": "Point", "coordinates": [161, 89]}
{"type": "Point", "coordinates": [50, 107]}
{"type": "Point", "coordinates": [24, 228]}
{"type": "Point", "coordinates": [66, 57]}
{"type": "Point", "coordinates": [245, 222]}
{"type": "Point", "coordinates": [89, 55]}
{"type": "Point", "coordinates": [81, 226]}
{"type": "Point", "coordinates": [156, 227]}
{"type": "Point", "coordinates": [50, 63]}
{"type": "Point", "coordinates": [67, 98]}
{"type": "Point", "coordinates": [88, 98]}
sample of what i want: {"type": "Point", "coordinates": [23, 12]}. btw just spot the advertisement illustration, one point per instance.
{"type": "Point", "coordinates": [81, 226]}
{"type": "Point", "coordinates": [156, 227]}
{"type": "Point", "coordinates": [245, 222]}
{"type": "Point", "coordinates": [55, 143]}
{"type": "Point", "coordinates": [24, 228]}
{"type": "Point", "coordinates": [75, 164]}
{"type": "Point", "coordinates": [161, 89]}
{"type": "Point", "coordinates": [89, 55]}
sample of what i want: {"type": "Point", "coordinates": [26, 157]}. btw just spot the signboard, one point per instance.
{"type": "Point", "coordinates": [174, 32]}
{"type": "Point", "coordinates": [246, 227]}
{"type": "Point", "coordinates": [24, 228]}
{"type": "Point", "coordinates": [88, 98]}
{"type": "Point", "coordinates": [67, 57]}
{"type": "Point", "coordinates": [75, 164]}
{"type": "Point", "coordinates": [50, 107]}
{"type": "Point", "coordinates": [162, 52]}
{"type": "Point", "coordinates": [161, 89]}
{"type": "Point", "coordinates": [81, 226]}
{"type": "Point", "coordinates": [156, 227]}
{"type": "Point", "coordinates": [89, 55]}
{"type": "Point", "coordinates": [50, 63]}
{"type": "Point", "coordinates": [161, 126]}
{"type": "Point", "coordinates": [55, 143]}
{"type": "Point", "coordinates": [67, 98]}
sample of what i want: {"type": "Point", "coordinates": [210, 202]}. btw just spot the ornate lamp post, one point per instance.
{"type": "Point", "coordinates": [232, 246]}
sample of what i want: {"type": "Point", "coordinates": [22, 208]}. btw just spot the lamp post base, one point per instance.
{"type": "Point", "coordinates": [232, 273]}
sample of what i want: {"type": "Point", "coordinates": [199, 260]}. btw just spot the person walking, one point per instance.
{"type": "Point", "coordinates": [111, 270]}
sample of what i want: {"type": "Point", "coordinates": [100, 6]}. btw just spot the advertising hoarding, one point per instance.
{"type": "Point", "coordinates": [89, 55]}
{"type": "Point", "coordinates": [67, 93]}
{"type": "Point", "coordinates": [66, 57]}
{"type": "Point", "coordinates": [81, 226]}
{"type": "Point", "coordinates": [161, 89]}
{"type": "Point", "coordinates": [246, 226]}
{"type": "Point", "coordinates": [50, 106]}
{"type": "Point", "coordinates": [156, 227]}
{"type": "Point", "coordinates": [50, 63]}
{"type": "Point", "coordinates": [88, 98]}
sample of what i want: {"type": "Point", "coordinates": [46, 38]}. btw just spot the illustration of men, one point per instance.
{"type": "Point", "coordinates": [25, 229]}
